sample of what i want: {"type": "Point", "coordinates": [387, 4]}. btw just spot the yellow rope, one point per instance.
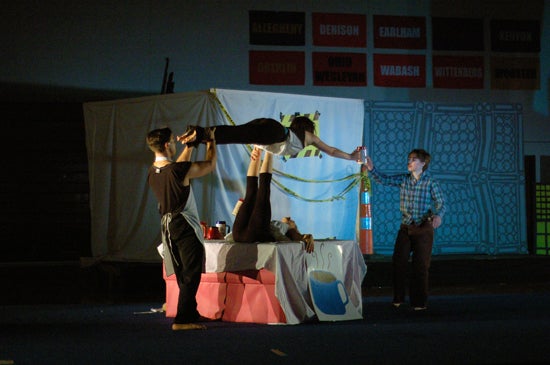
{"type": "Point", "coordinates": [224, 111]}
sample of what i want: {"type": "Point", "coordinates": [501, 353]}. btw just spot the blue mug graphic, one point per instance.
{"type": "Point", "coordinates": [327, 292]}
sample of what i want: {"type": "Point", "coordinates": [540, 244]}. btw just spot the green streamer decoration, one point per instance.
{"type": "Point", "coordinates": [340, 196]}
{"type": "Point", "coordinates": [365, 179]}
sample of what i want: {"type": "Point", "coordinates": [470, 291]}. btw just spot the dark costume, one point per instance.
{"type": "Point", "coordinates": [254, 215]}
{"type": "Point", "coordinates": [181, 234]}
{"type": "Point", "coordinates": [266, 133]}
{"type": "Point", "coordinates": [253, 222]}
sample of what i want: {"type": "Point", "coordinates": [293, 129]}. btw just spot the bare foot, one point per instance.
{"type": "Point", "coordinates": [193, 136]}
{"type": "Point", "coordinates": [187, 137]}
{"type": "Point", "coordinates": [254, 164]}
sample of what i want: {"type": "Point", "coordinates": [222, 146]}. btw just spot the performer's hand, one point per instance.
{"type": "Point", "coordinates": [356, 155]}
{"type": "Point", "coordinates": [369, 164]}
{"type": "Point", "coordinates": [436, 221]}
{"type": "Point", "coordinates": [309, 241]}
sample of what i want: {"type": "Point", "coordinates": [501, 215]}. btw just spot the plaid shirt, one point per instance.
{"type": "Point", "coordinates": [416, 195]}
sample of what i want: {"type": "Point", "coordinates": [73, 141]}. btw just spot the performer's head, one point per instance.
{"type": "Point", "coordinates": [421, 155]}
{"type": "Point", "coordinates": [301, 125]}
{"type": "Point", "coordinates": [158, 138]}
{"type": "Point", "coordinates": [291, 223]}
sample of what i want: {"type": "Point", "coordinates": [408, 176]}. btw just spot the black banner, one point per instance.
{"type": "Point", "coordinates": [515, 36]}
{"type": "Point", "coordinates": [277, 28]}
{"type": "Point", "coordinates": [457, 34]}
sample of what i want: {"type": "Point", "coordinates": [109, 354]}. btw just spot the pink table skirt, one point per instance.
{"type": "Point", "coordinates": [244, 296]}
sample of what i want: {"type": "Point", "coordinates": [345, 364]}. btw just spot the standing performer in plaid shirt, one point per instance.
{"type": "Point", "coordinates": [422, 208]}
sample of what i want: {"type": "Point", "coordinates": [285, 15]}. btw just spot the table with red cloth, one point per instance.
{"type": "Point", "coordinates": [269, 282]}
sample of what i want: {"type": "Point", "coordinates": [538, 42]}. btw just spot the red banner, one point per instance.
{"type": "Point", "coordinates": [276, 68]}
{"type": "Point", "coordinates": [394, 70]}
{"type": "Point", "coordinates": [405, 32]}
{"type": "Point", "coordinates": [339, 69]}
{"type": "Point", "coordinates": [458, 72]}
{"type": "Point", "coordinates": [339, 30]}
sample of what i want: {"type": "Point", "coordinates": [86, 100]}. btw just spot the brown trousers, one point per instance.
{"type": "Point", "coordinates": [418, 241]}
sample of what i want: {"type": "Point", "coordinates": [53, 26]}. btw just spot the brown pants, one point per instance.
{"type": "Point", "coordinates": [417, 240]}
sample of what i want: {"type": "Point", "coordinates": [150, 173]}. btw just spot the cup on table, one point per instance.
{"type": "Point", "coordinates": [213, 233]}
{"type": "Point", "coordinates": [222, 227]}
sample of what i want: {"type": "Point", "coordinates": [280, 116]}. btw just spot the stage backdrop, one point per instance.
{"type": "Point", "coordinates": [319, 192]}
{"type": "Point", "coordinates": [477, 155]}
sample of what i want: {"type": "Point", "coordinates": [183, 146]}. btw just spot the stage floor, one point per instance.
{"type": "Point", "coordinates": [456, 329]}
{"type": "Point", "coordinates": [482, 310]}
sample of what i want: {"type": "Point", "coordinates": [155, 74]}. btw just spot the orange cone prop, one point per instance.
{"type": "Point", "coordinates": [365, 219]}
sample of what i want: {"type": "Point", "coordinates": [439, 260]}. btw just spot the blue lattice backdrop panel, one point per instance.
{"type": "Point", "coordinates": [477, 156]}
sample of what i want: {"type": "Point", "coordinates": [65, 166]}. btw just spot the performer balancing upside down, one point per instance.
{"type": "Point", "coordinates": [270, 135]}
{"type": "Point", "coordinates": [253, 222]}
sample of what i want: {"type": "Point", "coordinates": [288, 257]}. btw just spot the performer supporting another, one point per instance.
{"type": "Point", "coordinates": [182, 237]}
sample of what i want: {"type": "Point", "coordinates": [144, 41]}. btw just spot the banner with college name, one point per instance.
{"type": "Point", "coordinates": [458, 72]}
{"type": "Point", "coordinates": [339, 69]}
{"type": "Point", "coordinates": [515, 35]}
{"type": "Point", "coordinates": [276, 67]}
{"type": "Point", "coordinates": [277, 28]}
{"type": "Point", "coordinates": [511, 73]}
{"type": "Point", "coordinates": [457, 34]}
{"type": "Point", "coordinates": [394, 70]}
{"type": "Point", "coordinates": [402, 32]}
{"type": "Point", "coordinates": [339, 30]}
